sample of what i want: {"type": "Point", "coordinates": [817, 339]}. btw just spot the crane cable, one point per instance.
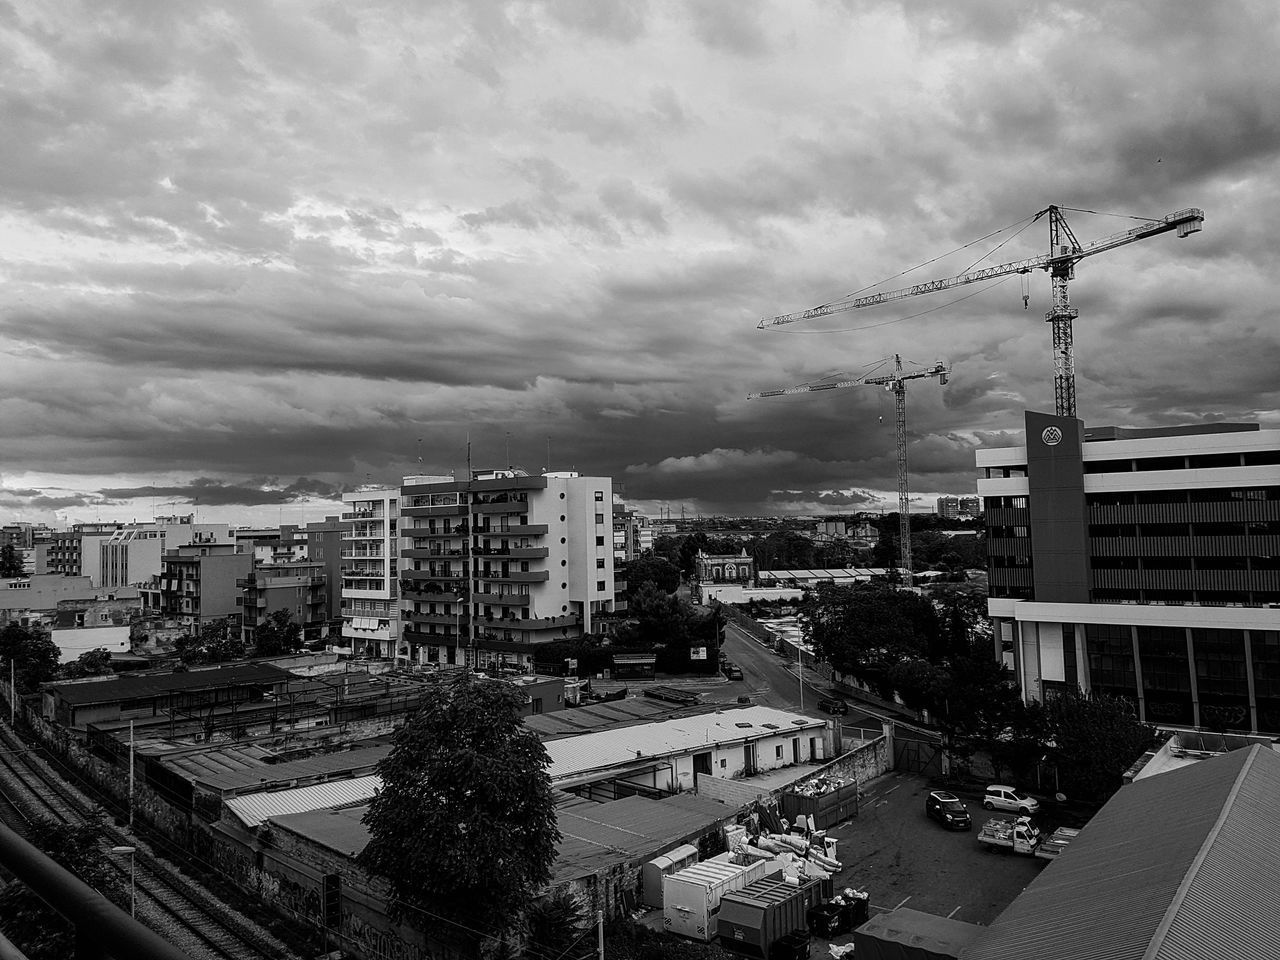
{"type": "Point", "coordinates": [885, 323]}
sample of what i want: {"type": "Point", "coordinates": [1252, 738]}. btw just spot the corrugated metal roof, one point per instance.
{"type": "Point", "coordinates": [1178, 866]}
{"type": "Point", "coordinates": [253, 808]}
{"type": "Point", "coordinates": [615, 713]}
{"type": "Point", "coordinates": [130, 686]}
{"type": "Point", "coordinates": [326, 764]}
{"type": "Point", "coordinates": [593, 836]}
{"type": "Point", "coordinates": [606, 748]}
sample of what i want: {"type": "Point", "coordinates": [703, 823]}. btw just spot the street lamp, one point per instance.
{"type": "Point", "coordinates": [133, 890]}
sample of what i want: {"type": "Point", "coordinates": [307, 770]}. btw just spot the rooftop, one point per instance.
{"type": "Point", "coordinates": [253, 808]}
{"type": "Point", "coordinates": [136, 685]}
{"type": "Point", "coordinates": [1183, 865]}
{"type": "Point", "coordinates": [607, 748]}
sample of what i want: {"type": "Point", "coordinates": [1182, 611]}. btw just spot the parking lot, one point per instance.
{"type": "Point", "coordinates": [902, 858]}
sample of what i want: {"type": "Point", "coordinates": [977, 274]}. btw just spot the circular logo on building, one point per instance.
{"type": "Point", "coordinates": [1051, 436]}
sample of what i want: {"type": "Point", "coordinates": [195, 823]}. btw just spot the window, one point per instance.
{"type": "Point", "coordinates": [599, 541]}
{"type": "Point", "coordinates": [600, 585]}
{"type": "Point", "coordinates": [600, 563]}
{"type": "Point", "coordinates": [778, 753]}
{"type": "Point", "coordinates": [599, 496]}
{"type": "Point", "coordinates": [599, 518]}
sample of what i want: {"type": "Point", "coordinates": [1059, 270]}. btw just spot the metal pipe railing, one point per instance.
{"type": "Point", "coordinates": [103, 930]}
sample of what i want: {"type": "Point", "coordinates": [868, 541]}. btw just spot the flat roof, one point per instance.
{"type": "Point", "coordinates": [134, 685]}
{"type": "Point", "coordinates": [608, 748]}
{"type": "Point", "coordinates": [611, 713]}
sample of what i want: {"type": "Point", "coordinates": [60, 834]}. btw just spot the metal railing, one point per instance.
{"type": "Point", "coordinates": [103, 930]}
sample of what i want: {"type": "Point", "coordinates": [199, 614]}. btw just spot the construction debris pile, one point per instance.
{"type": "Point", "coordinates": [819, 786]}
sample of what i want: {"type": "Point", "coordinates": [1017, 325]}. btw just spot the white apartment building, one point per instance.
{"type": "Point", "coordinates": [132, 555]}
{"type": "Point", "coordinates": [494, 565]}
{"type": "Point", "coordinates": [370, 584]}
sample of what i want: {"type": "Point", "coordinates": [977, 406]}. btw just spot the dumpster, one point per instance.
{"type": "Point", "coordinates": [791, 946]}
{"type": "Point", "coordinates": [827, 920]}
{"type": "Point", "coordinates": [752, 920]}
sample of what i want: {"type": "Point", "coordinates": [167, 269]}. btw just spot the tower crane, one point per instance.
{"type": "Point", "coordinates": [1060, 263]}
{"type": "Point", "coordinates": [895, 382]}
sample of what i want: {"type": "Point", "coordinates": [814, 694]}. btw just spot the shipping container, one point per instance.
{"type": "Point", "coordinates": [651, 873]}
{"type": "Point", "coordinates": [754, 918]}
{"type": "Point", "coordinates": [691, 897]}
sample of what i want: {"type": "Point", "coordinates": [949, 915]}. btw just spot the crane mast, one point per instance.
{"type": "Point", "coordinates": [895, 382]}
{"type": "Point", "coordinates": [1060, 263]}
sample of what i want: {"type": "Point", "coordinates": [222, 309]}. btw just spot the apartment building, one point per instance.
{"type": "Point", "coordinates": [1144, 564]}
{"type": "Point", "coordinates": [632, 533]}
{"type": "Point", "coordinates": [198, 583]}
{"type": "Point", "coordinates": [299, 587]}
{"type": "Point", "coordinates": [953, 508]}
{"type": "Point", "coordinates": [498, 563]}
{"type": "Point", "coordinates": [370, 584]}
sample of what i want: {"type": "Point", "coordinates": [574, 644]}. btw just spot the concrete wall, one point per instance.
{"type": "Point", "coordinates": [736, 793]}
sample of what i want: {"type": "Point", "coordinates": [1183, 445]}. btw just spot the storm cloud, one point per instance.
{"type": "Point", "coordinates": [245, 244]}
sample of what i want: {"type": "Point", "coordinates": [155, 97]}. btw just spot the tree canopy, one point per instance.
{"type": "Point", "coordinates": [465, 824]}
{"type": "Point", "coordinates": [91, 663]}
{"type": "Point", "coordinates": [1092, 742]}
{"type": "Point", "coordinates": [216, 642]}
{"type": "Point", "coordinates": [656, 570]}
{"type": "Point", "coordinates": [34, 654]}
{"type": "Point", "coordinates": [277, 633]}
{"type": "Point", "coordinates": [10, 561]}
{"type": "Point", "coordinates": [864, 629]}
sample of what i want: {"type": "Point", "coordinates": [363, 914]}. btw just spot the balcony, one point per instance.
{"type": "Point", "coordinates": [417, 590]}
{"type": "Point", "coordinates": [446, 638]}
{"type": "Point", "coordinates": [363, 515]}
{"type": "Point", "coordinates": [437, 574]}
{"type": "Point", "coordinates": [515, 553]}
{"type": "Point", "coordinates": [515, 576]}
{"type": "Point", "coordinates": [513, 530]}
{"type": "Point", "coordinates": [355, 553]}
{"type": "Point", "coordinates": [427, 553]}
{"type": "Point", "coordinates": [501, 506]}
{"type": "Point", "coordinates": [502, 599]}
{"type": "Point", "coordinates": [444, 619]}
{"type": "Point", "coordinates": [438, 510]}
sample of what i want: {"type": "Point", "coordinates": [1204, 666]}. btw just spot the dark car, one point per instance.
{"type": "Point", "coordinates": [731, 670]}
{"type": "Point", "coordinates": [947, 809]}
{"type": "Point", "coordinates": [833, 705]}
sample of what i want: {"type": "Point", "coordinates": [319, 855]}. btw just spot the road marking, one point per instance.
{"type": "Point", "coordinates": [954, 912]}
{"type": "Point", "coordinates": [899, 906]}
{"type": "Point", "coordinates": [891, 789]}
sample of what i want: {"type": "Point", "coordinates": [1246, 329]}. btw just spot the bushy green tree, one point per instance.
{"type": "Point", "coordinates": [659, 571]}
{"type": "Point", "coordinates": [865, 629]}
{"type": "Point", "coordinates": [91, 663]}
{"type": "Point", "coordinates": [216, 642]}
{"type": "Point", "coordinates": [558, 927]}
{"type": "Point", "coordinates": [10, 561]}
{"type": "Point", "coordinates": [1093, 741]}
{"type": "Point", "coordinates": [277, 633]}
{"type": "Point", "coordinates": [464, 826]}
{"type": "Point", "coordinates": [34, 654]}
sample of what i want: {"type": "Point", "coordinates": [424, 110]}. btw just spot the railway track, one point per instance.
{"type": "Point", "coordinates": [171, 904]}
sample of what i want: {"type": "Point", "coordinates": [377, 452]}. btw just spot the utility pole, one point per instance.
{"type": "Point", "coordinates": [131, 776]}
{"type": "Point", "coordinates": [600, 935]}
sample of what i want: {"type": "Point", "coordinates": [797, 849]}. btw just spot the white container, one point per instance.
{"type": "Point", "coordinates": [651, 873]}
{"type": "Point", "coordinates": [691, 897]}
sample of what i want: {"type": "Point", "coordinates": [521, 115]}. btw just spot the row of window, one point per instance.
{"type": "Point", "coordinates": [1200, 461]}
{"type": "Point", "coordinates": [1209, 495]}
{"type": "Point", "coordinates": [1242, 528]}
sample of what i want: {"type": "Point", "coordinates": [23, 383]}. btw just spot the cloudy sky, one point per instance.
{"type": "Point", "coordinates": [254, 253]}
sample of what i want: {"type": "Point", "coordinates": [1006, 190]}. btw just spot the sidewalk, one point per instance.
{"type": "Point", "coordinates": [609, 686]}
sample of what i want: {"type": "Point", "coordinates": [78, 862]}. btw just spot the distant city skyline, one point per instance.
{"type": "Point", "coordinates": [252, 256]}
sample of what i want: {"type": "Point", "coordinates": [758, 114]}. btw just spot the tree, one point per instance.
{"type": "Point", "coordinates": [556, 927]}
{"type": "Point", "coordinates": [864, 629]}
{"type": "Point", "coordinates": [34, 654]}
{"type": "Point", "coordinates": [465, 823]}
{"type": "Point", "coordinates": [37, 930]}
{"type": "Point", "coordinates": [217, 642]}
{"type": "Point", "coordinates": [91, 663]}
{"type": "Point", "coordinates": [1094, 740]}
{"type": "Point", "coordinates": [11, 562]}
{"type": "Point", "coordinates": [659, 571]}
{"type": "Point", "coordinates": [277, 633]}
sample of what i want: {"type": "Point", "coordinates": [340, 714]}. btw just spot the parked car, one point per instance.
{"type": "Point", "coordinates": [947, 809]}
{"type": "Point", "coordinates": [1002, 797]}
{"type": "Point", "coordinates": [731, 670]}
{"type": "Point", "coordinates": [833, 705]}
